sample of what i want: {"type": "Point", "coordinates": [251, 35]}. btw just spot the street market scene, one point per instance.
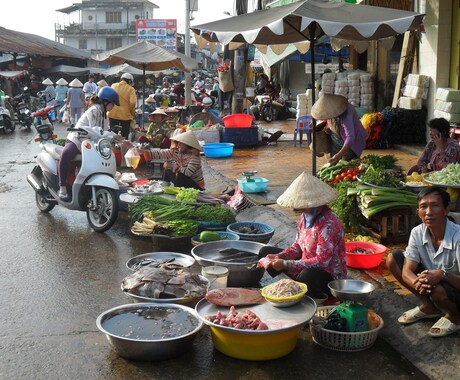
{"type": "Point", "coordinates": [267, 189]}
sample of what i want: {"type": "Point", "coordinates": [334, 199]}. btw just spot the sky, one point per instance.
{"type": "Point", "coordinates": [40, 16]}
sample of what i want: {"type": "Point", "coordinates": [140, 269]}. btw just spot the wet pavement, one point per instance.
{"type": "Point", "coordinates": [57, 276]}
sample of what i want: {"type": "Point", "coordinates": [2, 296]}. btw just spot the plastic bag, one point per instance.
{"type": "Point", "coordinates": [132, 158]}
{"type": "Point", "coordinates": [66, 116]}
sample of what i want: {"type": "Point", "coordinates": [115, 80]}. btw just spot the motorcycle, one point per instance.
{"type": "Point", "coordinates": [44, 127]}
{"type": "Point", "coordinates": [6, 123]}
{"type": "Point", "coordinates": [92, 188]}
{"type": "Point", "coordinates": [20, 104]}
{"type": "Point", "coordinates": [263, 108]}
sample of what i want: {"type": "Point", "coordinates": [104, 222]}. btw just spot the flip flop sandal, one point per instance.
{"type": "Point", "coordinates": [444, 327]}
{"type": "Point", "coordinates": [414, 315]}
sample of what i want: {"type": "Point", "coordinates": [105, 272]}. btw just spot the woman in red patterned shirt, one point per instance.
{"type": "Point", "coordinates": [440, 151]}
{"type": "Point", "coordinates": [318, 254]}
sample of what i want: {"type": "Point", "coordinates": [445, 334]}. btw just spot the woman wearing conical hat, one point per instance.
{"type": "Point", "coordinates": [342, 123]}
{"type": "Point", "coordinates": [61, 96]}
{"type": "Point", "coordinates": [318, 254]}
{"type": "Point", "coordinates": [183, 162]}
{"type": "Point", "coordinates": [75, 100]}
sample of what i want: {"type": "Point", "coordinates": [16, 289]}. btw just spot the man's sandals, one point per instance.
{"type": "Point", "coordinates": [414, 315]}
{"type": "Point", "coordinates": [443, 327]}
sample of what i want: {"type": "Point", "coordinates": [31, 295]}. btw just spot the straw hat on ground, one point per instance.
{"type": "Point", "coordinates": [159, 111]}
{"type": "Point", "coordinates": [329, 106]}
{"type": "Point", "coordinates": [307, 191]}
{"type": "Point", "coordinates": [62, 82]}
{"type": "Point", "coordinates": [102, 83]}
{"type": "Point", "coordinates": [48, 82]}
{"type": "Point", "coordinates": [187, 138]}
{"type": "Point", "coordinates": [150, 99]}
{"type": "Point", "coordinates": [76, 83]}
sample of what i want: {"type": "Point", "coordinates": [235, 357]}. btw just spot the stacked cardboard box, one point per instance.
{"type": "Point", "coordinates": [447, 104]}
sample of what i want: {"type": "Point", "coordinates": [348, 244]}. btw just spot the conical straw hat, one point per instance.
{"type": "Point", "coordinates": [48, 82]}
{"type": "Point", "coordinates": [76, 83]}
{"type": "Point", "coordinates": [102, 83]}
{"type": "Point", "coordinates": [187, 138]}
{"type": "Point", "coordinates": [329, 106]}
{"type": "Point", "coordinates": [62, 82]}
{"type": "Point", "coordinates": [307, 191]}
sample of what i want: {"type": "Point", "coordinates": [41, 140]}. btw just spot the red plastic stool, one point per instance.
{"type": "Point", "coordinates": [302, 126]}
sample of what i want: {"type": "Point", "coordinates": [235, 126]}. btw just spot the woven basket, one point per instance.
{"type": "Point", "coordinates": [342, 341]}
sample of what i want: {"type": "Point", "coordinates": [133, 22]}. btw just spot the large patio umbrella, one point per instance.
{"type": "Point", "coordinates": [308, 20]}
{"type": "Point", "coordinates": [147, 56]}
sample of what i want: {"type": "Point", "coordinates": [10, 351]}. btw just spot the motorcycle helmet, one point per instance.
{"type": "Point", "coordinates": [109, 95]}
{"type": "Point", "coordinates": [127, 76]}
{"type": "Point", "coordinates": [183, 82]}
{"type": "Point", "coordinates": [207, 101]}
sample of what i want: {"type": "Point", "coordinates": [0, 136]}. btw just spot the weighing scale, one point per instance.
{"type": "Point", "coordinates": [353, 313]}
{"type": "Point", "coordinates": [249, 174]}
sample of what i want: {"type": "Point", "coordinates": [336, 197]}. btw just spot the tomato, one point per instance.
{"type": "Point", "coordinates": [349, 171]}
{"type": "Point", "coordinates": [355, 178]}
{"type": "Point", "coordinates": [338, 177]}
{"type": "Point", "coordinates": [343, 175]}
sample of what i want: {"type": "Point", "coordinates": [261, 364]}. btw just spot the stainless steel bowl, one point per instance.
{"type": "Point", "coordinates": [240, 274]}
{"type": "Point", "coordinates": [351, 290]}
{"type": "Point", "coordinates": [148, 350]}
{"type": "Point", "coordinates": [180, 300]}
{"type": "Point", "coordinates": [139, 261]}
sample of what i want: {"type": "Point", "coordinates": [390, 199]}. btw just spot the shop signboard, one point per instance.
{"type": "Point", "coordinates": [161, 32]}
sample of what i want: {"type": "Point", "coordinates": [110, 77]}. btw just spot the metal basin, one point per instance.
{"type": "Point", "coordinates": [187, 301]}
{"type": "Point", "coordinates": [151, 349]}
{"type": "Point", "coordinates": [240, 273]}
{"type": "Point", "coordinates": [351, 290]}
{"type": "Point", "coordinates": [147, 258]}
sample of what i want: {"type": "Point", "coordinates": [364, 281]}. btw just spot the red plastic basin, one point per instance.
{"type": "Point", "coordinates": [238, 120]}
{"type": "Point", "coordinates": [364, 260]}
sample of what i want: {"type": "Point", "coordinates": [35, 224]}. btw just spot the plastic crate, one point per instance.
{"type": "Point", "coordinates": [241, 137]}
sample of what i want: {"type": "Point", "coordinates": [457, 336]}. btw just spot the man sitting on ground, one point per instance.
{"type": "Point", "coordinates": [429, 267]}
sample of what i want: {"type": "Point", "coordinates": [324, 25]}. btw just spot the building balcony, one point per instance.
{"type": "Point", "coordinates": [91, 29]}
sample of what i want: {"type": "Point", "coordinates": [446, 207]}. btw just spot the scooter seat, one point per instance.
{"type": "Point", "coordinates": [55, 151]}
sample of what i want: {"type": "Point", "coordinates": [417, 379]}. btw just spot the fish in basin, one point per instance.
{"type": "Point", "coordinates": [165, 283]}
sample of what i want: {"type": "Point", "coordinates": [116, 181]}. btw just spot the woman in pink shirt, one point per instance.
{"type": "Point", "coordinates": [317, 256]}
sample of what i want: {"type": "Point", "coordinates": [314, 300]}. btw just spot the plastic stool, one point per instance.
{"type": "Point", "coordinates": [302, 126]}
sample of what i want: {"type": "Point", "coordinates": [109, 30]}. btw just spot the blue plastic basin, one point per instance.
{"type": "Point", "coordinates": [218, 150]}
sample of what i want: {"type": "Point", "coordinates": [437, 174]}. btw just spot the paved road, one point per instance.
{"type": "Point", "coordinates": [57, 276]}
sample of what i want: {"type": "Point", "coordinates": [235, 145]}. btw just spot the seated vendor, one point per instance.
{"type": "Point", "coordinates": [440, 151]}
{"type": "Point", "coordinates": [429, 267]}
{"type": "Point", "coordinates": [158, 131]}
{"type": "Point", "coordinates": [183, 162]}
{"type": "Point", "coordinates": [318, 254]}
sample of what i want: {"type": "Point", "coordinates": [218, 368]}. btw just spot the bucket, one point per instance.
{"type": "Point", "coordinates": [217, 276]}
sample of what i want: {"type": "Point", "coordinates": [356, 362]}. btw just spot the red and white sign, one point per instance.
{"type": "Point", "coordinates": [160, 32]}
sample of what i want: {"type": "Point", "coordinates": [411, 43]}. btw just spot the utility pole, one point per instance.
{"type": "Point", "coordinates": [188, 81]}
{"type": "Point", "coordinates": [239, 66]}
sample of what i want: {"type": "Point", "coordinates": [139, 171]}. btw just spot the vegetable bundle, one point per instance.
{"type": "Point", "coordinates": [372, 200]}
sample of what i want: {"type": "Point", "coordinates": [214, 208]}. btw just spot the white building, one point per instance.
{"type": "Point", "coordinates": [103, 24]}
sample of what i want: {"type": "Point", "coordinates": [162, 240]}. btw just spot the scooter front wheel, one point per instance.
{"type": "Point", "coordinates": [42, 204]}
{"type": "Point", "coordinates": [102, 215]}
{"type": "Point", "coordinates": [267, 114]}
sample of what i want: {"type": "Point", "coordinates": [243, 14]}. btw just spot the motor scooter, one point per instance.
{"type": "Point", "coordinates": [6, 123]}
{"type": "Point", "coordinates": [44, 127]}
{"type": "Point", "coordinates": [91, 182]}
{"type": "Point", "coordinates": [20, 103]}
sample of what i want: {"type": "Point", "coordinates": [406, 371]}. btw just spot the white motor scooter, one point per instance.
{"type": "Point", "coordinates": [94, 186]}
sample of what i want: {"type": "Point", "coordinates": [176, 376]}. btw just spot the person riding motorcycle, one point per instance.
{"type": "Point", "coordinates": [93, 117]}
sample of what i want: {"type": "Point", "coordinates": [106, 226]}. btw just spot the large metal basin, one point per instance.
{"type": "Point", "coordinates": [240, 274]}
{"type": "Point", "coordinates": [149, 349]}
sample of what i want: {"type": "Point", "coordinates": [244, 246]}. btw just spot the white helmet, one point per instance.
{"type": "Point", "coordinates": [207, 101]}
{"type": "Point", "coordinates": [127, 76]}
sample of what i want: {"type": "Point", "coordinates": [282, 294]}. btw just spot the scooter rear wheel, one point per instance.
{"type": "Point", "coordinates": [267, 114]}
{"type": "Point", "coordinates": [105, 212]}
{"type": "Point", "coordinates": [42, 204]}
